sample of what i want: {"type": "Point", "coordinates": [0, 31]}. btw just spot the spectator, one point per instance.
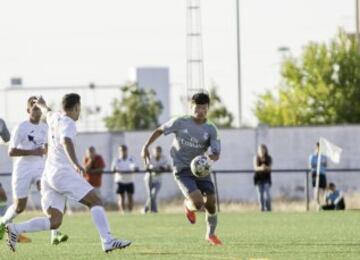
{"type": "Point", "coordinates": [158, 164]}
{"type": "Point", "coordinates": [124, 166]}
{"type": "Point", "coordinates": [262, 177]}
{"type": "Point", "coordinates": [94, 166]}
{"type": "Point", "coordinates": [5, 136]}
{"type": "Point", "coordinates": [334, 199]}
{"type": "Point", "coordinates": [313, 161]}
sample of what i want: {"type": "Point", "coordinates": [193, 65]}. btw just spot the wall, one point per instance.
{"type": "Point", "coordinates": [289, 146]}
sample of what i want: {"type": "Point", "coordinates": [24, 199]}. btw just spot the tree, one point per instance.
{"type": "Point", "coordinates": [218, 113]}
{"type": "Point", "coordinates": [136, 110]}
{"type": "Point", "coordinates": [320, 87]}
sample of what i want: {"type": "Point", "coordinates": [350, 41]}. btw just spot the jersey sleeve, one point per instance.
{"type": "Point", "coordinates": [16, 137]}
{"type": "Point", "coordinates": [67, 129]}
{"type": "Point", "coordinates": [171, 126]}
{"type": "Point", "coordinates": [4, 132]}
{"type": "Point", "coordinates": [215, 145]}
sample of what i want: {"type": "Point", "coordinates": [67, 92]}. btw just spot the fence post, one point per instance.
{"type": "Point", "coordinates": [216, 191]}
{"type": "Point", "coordinates": [307, 190]}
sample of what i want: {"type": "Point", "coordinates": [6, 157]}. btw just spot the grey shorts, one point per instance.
{"type": "Point", "coordinates": [188, 183]}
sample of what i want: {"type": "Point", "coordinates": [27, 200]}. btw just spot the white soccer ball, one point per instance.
{"type": "Point", "coordinates": [200, 166]}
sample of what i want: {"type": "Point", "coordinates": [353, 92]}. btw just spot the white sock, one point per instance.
{"type": "Point", "coordinates": [54, 232]}
{"type": "Point", "coordinates": [190, 205]}
{"type": "Point", "coordinates": [101, 222]}
{"type": "Point", "coordinates": [33, 225]}
{"type": "Point", "coordinates": [9, 215]}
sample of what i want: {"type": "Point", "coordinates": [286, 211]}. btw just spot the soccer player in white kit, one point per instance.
{"type": "Point", "coordinates": [28, 147]}
{"type": "Point", "coordinates": [62, 179]}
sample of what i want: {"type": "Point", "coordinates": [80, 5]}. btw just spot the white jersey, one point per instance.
{"type": "Point", "coordinates": [123, 168]}
{"type": "Point", "coordinates": [60, 126]}
{"type": "Point", "coordinates": [28, 136]}
{"type": "Point", "coordinates": [157, 167]}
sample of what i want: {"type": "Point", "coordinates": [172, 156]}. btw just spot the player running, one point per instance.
{"type": "Point", "coordinates": [62, 179]}
{"type": "Point", "coordinates": [193, 136]}
{"type": "Point", "coordinates": [28, 146]}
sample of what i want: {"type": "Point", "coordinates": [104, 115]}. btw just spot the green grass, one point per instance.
{"type": "Point", "coordinates": [324, 235]}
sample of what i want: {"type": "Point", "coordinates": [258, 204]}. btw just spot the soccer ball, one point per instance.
{"type": "Point", "coordinates": [200, 166]}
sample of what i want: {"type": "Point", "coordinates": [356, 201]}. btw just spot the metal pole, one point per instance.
{"type": "Point", "coordinates": [307, 194]}
{"type": "Point", "coordinates": [357, 23]}
{"type": "Point", "coordinates": [238, 60]}
{"type": "Point", "coordinates": [216, 192]}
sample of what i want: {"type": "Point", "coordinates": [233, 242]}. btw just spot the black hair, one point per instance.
{"type": "Point", "coordinates": [70, 100]}
{"type": "Point", "coordinates": [123, 147]}
{"type": "Point", "coordinates": [332, 185]}
{"type": "Point", "coordinates": [200, 98]}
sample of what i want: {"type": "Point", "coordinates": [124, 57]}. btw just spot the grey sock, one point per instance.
{"type": "Point", "coordinates": [211, 221]}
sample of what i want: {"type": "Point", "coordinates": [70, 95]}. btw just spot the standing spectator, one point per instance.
{"type": "Point", "coordinates": [5, 136]}
{"type": "Point", "coordinates": [94, 166]}
{"type": "Point", "coordinates": [158, 164]}
{"type": "Point", "coordinates": [262, 177]}
{"type": "Point", "coordinates": [313, 161]}
{"type": "Point", "coordinates": [124, 166]}
{"type": "Point", "coordinates": [334, 199]}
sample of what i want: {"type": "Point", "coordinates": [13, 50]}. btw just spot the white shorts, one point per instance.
{"type": "Point", "coordinates": [57, 187]}
{"type": "Point", "coordinates": [22, 179]}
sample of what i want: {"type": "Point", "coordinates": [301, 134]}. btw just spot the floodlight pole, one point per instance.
{"type": "Point", "coordinates": [238, 61]}
{"type": "Point", "coordinates": [357, 23]}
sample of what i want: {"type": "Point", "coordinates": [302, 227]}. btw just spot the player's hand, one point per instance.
{"type": "Point", "coordinates": [40, 151]}
{"type": "Point", "coordinates": [214, 157]}
{"type": "Point", "coordinates": [79, 169]}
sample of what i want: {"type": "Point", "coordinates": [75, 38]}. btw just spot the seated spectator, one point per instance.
{"type": "Point", "coordinates": [94, 166]}
{"type": "Point", "coordinates": [124, 166]}
{"type": "Point", "coordinates": [157, 165]}
{"type": "Point", "coordinates": [334, 199]}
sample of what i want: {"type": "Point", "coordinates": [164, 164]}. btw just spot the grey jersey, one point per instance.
{"type": "Point", "coordinates": [4, 132]}
{"type": "Point", "coordinates": [191, 140]}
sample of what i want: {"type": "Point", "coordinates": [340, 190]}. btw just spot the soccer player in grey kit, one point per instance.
{"type": "Point", "coordinates": [193, 136]}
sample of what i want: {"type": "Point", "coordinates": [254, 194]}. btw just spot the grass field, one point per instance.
{"type": "Point", "coordinates": [324, 235]}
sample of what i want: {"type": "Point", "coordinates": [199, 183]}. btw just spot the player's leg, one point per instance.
{"type": "Point", "coordinates": [148, 185]}
{"type": "Point", "coordinates": [211, 219]}
{"type": "Point", "coordinates": [101, 222]}
{"type": "Point", "coordinates": [207, 187]}
{"type": "Point", "coordinates": [52, 221]}
{"type": "Point", "coordinates": [53, 204]}
{"type": "Point", "coordinates": [121, 196]}
{"type": "Point", "coordinates": [267, 196]}
{"type": "Point", "coordinates": [154, 192]}
{"type": "Point", "coordinates": [193, 198]}
{"type": "Point", "coordinates": [3, 201]}
{"type": "Point", "coordinates": [20, 187]}
{"type": "Point", "coordinates": [130, 195]}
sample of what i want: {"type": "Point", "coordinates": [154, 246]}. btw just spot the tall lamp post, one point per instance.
{"type": "Point", "coordinates": [238, 61]}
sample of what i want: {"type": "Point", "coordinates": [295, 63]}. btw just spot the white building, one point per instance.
{"type": "Point", "coordinates": [156, 78]}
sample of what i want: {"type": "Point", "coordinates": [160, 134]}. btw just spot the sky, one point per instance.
{"type": "Point", "coordinates": [67, 42]}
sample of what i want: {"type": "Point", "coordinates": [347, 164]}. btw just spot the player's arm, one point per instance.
{"type": "Point", "coordinates": [71, 154]}
{"type": "Point", "coordinates": [4, 131]}
{"type": "Point", "coordinates": [16, 140]}
{"type": "Point", "coordinates": [15, 152]}
{"type": "Point", "coordinates": [215, 145]}
{"type": "Point", "coordinates": [145, 154]}
{"type": "Point", "coordinates": [40, 102]}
